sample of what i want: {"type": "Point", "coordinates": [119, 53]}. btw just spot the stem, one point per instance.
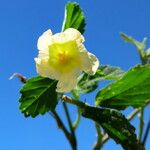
{"type": "Point", "coordinates": [143, 58]}
{"type": "Point", "coordinates": [83, 105]}
{"type": "Point", "coordinates": [141, 125]}
{"type": "Point", "coordinates": [105, 138]}
{"type": "Point", "coordinates": [75, 94]}
{"type": "Point", "coordinates": [22, 78]}
{"type": "Point", "coordinates": [77, 103]}
{"type": "Point", "coordinates": [76, 123]}
{"type": "Point", "coordinates": [73, 137]}
{"type": "Point", "coordinates": [74, 102]}
{"type": "Point", "coordinates": [98, 145]}
{"type": "Point", "coordinates": [61, 125]}
{"type": "Point", "coordinates": [136, 111]}
{"type": "Point", "coordinates": [146, 133]}
{"type": "Point", "coordinates": [133, 114]}
{"type": "Point", "coordinates": [144, 61]}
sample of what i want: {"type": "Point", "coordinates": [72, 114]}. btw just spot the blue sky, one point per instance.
{"type": "Point", "coordinates": [22, 22]}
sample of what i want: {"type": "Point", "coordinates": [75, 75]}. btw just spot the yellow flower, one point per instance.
{"type": "Point", "coordinates": [63, 57]}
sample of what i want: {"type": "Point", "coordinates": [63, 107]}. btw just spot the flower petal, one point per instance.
{"type": "Point", "coordinates": [74, 34]}
{"type": "Point", "coordinates": [68, 82]}
{"type": "Point", "coordinates": [45, 70]}
{"type": "Point", "coordinates": [90, 62]}
{"type": "Point", "coordinates": [69, 34]}
{"type": "Point", "coordinates": [44, 40]}
{"type": "Point", "coordinates": [65, 85]}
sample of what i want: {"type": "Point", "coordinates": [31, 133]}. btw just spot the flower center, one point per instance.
{"type": "Point", "coordinates": [64, 56]}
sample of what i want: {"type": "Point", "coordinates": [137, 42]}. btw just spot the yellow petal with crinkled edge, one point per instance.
{"type": "Point", "coordinates": [63, 57]}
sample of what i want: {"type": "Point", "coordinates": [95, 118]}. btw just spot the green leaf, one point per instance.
{"type": "Point", "coordinates": [74, 17]}
{"type": "Point", "coordinates": [89, 83]}
{"type": "Point", "coordinates": [133, 89]}
{"type": "Point", "coordinates": [38, 96]}
{"type": "Point", "coordinates": [115, 125]}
